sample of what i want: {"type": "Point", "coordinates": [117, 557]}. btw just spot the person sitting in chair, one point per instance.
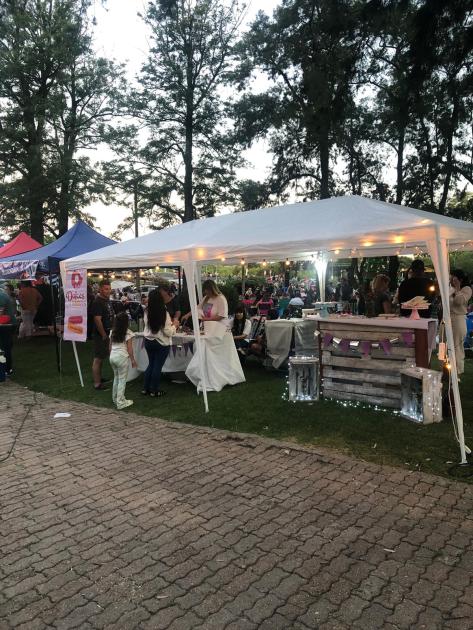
{"type": "Point", "coordinates": [241, 327]}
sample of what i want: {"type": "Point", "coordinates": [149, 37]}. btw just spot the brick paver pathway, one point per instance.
{"type": "Point", "coordinates": [112, 520]}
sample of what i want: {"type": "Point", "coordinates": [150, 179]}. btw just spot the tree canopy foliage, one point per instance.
{"type": "Point", "coordinates": [369, 97]}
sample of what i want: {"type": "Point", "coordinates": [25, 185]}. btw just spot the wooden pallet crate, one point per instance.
{"type": "Point", "coordinates": [350, 375]}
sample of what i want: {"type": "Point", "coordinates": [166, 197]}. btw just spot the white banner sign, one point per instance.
{"type": "Point", "coordinates": [75, 311]}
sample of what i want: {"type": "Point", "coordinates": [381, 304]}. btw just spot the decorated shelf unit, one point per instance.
{"type": "Point", "coordinates": [304, 380]}
{"type": "Point", "coordinates": [362, 359]}
{"type": "Point", "coordinates": [421, 399]}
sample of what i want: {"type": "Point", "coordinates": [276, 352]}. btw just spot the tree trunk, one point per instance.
{"type": "Point", "coordinates": [35, 194]}
{"type": "Point", "coordinates": [393, 269]}
{"type": "Point", "coordinates": [399, 166]}
{"type": "Point", "coordinates": [324, 167]}
{"type": "Point", "coordinates": [449, 157]}
{"type": "Point", "coordinates": [188, 157]}
{"type": "Point", "coordinates": [64, 195]}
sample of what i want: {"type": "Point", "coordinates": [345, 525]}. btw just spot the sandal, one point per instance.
{"type": "Point", "coordinates": [157, 394]}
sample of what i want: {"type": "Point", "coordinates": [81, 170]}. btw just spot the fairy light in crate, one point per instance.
{"type": "Point", "coordinates": [353, 404]}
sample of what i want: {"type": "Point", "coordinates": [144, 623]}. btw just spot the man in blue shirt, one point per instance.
{"type": "Point", "coordinates": [8, 317]}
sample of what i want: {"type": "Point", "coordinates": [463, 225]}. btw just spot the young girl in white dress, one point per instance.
{"type": "Point", "coordinates": [121, 351]}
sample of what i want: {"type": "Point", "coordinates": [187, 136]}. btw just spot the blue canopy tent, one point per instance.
{"type": "Point", "coordinates": [80, 239]}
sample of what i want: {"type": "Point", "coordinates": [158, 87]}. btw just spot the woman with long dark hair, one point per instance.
{"type": "Point", "coordinates": [460, 295]}
{"type": "Point", "coordinates": [121, 350]}
{"type": "Point", "coordinates": [157, 334]}
{"type": "Point", "coordinates": [241, 328]}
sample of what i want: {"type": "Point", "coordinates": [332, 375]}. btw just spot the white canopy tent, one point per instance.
{"type": "Point", "coordinates": [340, 227]}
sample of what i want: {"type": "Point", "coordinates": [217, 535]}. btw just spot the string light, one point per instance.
{"type": "Point", "coordinates": [264, 263]}
{"type": "Point", "coordinates": [287, 262]}
{"type": "Point", "coordinates": [242, 262]}
{"type": "Point", "coordinates": [157, 267]}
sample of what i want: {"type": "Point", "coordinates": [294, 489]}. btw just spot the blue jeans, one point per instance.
{"type": "Point", "coordinates": [157, 355]}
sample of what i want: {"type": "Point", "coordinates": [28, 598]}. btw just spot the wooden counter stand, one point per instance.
{"type": "Point", "coordinates": [375, 378]}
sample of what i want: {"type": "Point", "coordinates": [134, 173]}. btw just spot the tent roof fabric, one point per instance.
{"type": "Point", "coordinates": [20, 244]}
{"type": "Point", "coordinates": [343, 227]}
{"type": "Point", "coordinates": [80, 239]}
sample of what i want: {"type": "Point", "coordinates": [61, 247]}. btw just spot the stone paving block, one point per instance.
{"type": "Point", "coordinates": [149, 524]}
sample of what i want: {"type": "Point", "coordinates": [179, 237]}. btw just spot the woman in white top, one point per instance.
{"type": "Point", "coordinates": [158, 334]}
{"type": "Point", "coordinates": [121, 351]}
{"type": "Point", "coordinates": [214, 306]}
{"type": "Point", "coordinates": [459, 297]}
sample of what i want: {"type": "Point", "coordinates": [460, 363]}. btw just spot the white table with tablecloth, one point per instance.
{"type": "Point", "coordinates": [220, 359]}
{"type": "Point", "coordinates": [180, 355]}
{"type": "Point", "coordinates": [279, 335]}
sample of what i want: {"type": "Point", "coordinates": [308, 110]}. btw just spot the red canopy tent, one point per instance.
{"type": "Point", "coordinates": [20, 244]}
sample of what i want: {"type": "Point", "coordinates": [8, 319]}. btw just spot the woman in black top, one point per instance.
{"type": "Point", "coordinates": [382, 299]}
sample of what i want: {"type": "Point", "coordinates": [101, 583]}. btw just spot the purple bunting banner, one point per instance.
{"type": "Point", "coordinates": [366, 348]}
{"type": "Point", "coordinates": [386, 346]}
{"type": "Point", "coordinates": [345, 345]}
{"type": "Point", "coordinates": [408, 338]}
{"type": "Point", "coordinates": [328, 338]}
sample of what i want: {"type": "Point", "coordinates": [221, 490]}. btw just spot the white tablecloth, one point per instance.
{"type": "Point", "coordinates": [279, 338]}
{"type": "Point", "coordinates": [221, 364]}
{"type": "Point", "coordinates": [180, 354]}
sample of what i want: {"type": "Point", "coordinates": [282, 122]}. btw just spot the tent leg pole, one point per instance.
{"type": "Point", "coordinates": [192, 271]}
{"type": "Point", "coordinates": [458, 415]}
{"type": "Point", "coordinates": [56, 340]}
{"type": "Point", "coordinates": [78, 363]}
{"type": "Point", "coordinates": [438, 250]}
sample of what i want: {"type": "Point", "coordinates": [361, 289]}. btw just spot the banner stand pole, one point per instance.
{"type": "Point", "coordinates": [78, 363]}
{"type": "Point", "coordinates": [56, 340]}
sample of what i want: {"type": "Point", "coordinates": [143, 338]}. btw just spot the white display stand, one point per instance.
{"type": "Point", "coordinates": [421, 395]}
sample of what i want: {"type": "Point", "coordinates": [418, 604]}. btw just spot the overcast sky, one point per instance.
{"type": "Point", "coordinates": [121, 34]}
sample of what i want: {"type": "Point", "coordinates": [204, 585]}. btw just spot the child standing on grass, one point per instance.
{"type": "Point", "coordinates": [121, 349]}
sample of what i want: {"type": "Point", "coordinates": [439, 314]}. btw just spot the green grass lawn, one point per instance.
{"type": "Point", "coordinates": [258, 407]}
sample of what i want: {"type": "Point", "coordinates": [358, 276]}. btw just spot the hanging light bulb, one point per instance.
{"type": "Point", "coordinates": [242, 262]}
{"type": "Point", "coordinates": [264, 263]}
{"type": "Point", "coordinates": [287, 262]}
{"type": "Point", "coordinates": [157, 267]}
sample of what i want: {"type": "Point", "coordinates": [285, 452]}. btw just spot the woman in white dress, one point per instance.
{"type": "Point", "coordinates": [460, 295]}
{"type": "Point", "coordinates": [220, 358]}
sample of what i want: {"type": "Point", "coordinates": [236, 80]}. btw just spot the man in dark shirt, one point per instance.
{"type": "Point", "coordinates": [102, 313]}
{"type": "Point", "coordinates": [416, 284]}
